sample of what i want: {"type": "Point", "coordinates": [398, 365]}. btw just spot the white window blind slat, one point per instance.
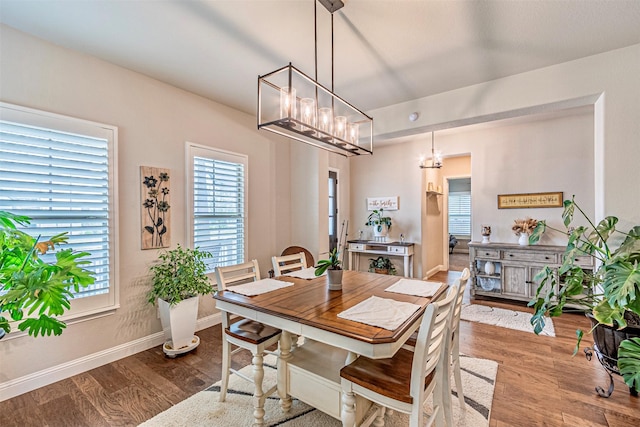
{"type": "Point", "coordinates": [61, 181]}
{"type": "Point", "coordinates": [219, 208]}
{"type": "Point", "coordinates": [460, 213]}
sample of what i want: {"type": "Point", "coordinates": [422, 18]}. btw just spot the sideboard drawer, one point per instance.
{"type": "Point", "coordinates": [583, 261]}
{"type": "Point", "coordinates": [530, 256]}
{"type": "Point", "coordinates": [356, 246]}
{"type": "Point", "coordinates": [488, 253]}
{"type": "Point", "coordinates": [397, 249]}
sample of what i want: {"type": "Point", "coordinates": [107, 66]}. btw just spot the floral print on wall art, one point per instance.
{"type": "Point", "coordinates": [156, 207]}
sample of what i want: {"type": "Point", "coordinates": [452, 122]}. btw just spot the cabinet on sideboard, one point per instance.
{"type": "Point", "coordinates": [512, 268]}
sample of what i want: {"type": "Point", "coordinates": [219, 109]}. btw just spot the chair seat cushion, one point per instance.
{"type": "Point", "coordinates": [388, 377]}
{"type": "Point", "coordinates": [251, 331]}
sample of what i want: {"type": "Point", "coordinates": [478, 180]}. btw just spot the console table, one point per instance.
{"type": "Point", "coordinates": [397, 249]}
{"type": "Point", "coordinates": [512, 268]}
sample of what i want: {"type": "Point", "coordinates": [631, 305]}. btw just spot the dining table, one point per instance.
{"type": "Point", "coordinates": [311, 372]}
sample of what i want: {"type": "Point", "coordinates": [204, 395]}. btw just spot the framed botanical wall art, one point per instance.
{"type": "Point", "coordinates": [155, 207]}
{"type": "Point", "coordinates": [530, 200]}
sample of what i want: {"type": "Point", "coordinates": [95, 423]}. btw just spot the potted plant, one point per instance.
{"type": "Point", "coordinates": [609, 295]}
{"type": "Point", "coordinates": [381, 224]}
{"type": "Point", "coordinates": [333, 268]}
{"type": "Point", "coordinates": [382, 265]}
{"type": "Point", "coordinates": [178, 279]}
{"type": "Point", "coordinates": [32, 285]}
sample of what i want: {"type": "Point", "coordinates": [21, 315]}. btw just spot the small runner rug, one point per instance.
{"type": "Point", "coordinates": [504, 318]}
{"type": "Point", "coordinates": [203, 409]}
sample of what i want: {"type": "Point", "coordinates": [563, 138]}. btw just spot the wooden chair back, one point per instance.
{"type": "Point", "coordinates": [286, 263]}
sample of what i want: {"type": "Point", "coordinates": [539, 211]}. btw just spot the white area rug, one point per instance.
{"type": "Point", "coordinates": [203, 409]}
{"type": "Point", "coordinates": [504, 318]}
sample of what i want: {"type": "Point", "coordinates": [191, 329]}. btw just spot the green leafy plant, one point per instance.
{"type": "Point", "coordinates": [611, 293]}
{"type": "Point", "coordinates": [382, 263]}
{"type": "Point", "coordinates": [31, 286]}
{"type": "Point", "coordinates": [333, 263]}
{"type": "Point", "coordinates": [377, 219]}
{"type": "Point", "coordinates": [179, 274]}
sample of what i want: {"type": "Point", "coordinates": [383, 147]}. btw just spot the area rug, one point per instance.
{"type": "Point", "coordinates": [518, 320]}
{"type": "Point", "coordinates": [203, 409]}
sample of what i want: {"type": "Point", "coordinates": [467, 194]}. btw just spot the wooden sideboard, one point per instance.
{"type": "Point", "coordinates": [397, 249]}
{"type": "Point", "coordinates": [513, 268]}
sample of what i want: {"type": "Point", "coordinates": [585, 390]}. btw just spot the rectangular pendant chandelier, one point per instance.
{"type": "Point", "coordinates": [292, 104]}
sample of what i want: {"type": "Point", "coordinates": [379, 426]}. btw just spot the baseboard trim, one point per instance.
{"type": "Point", "coordinates": [433, 271]}
{"type": "Point", "coordinates": [27, 383]}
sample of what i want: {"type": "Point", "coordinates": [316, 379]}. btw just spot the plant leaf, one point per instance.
{"type": "Point", "coordinates": [149, 228]}
{"type": "Point", "coordinates": [629, 362]}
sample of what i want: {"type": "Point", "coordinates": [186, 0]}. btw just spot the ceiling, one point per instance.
{"type": "Point", "coordinates": [386, 52]}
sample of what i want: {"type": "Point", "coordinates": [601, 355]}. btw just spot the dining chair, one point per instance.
{"type": "Point", "coordinates": [404, 382]}
{"type": "Point", "coordinates": [291, 250]}
{"type": "Point", "coordinates": [245, 334]}
{"type": "Point", "coordinates": [454, 354]}
{"type": "Point", "coordinates": [286, 263]}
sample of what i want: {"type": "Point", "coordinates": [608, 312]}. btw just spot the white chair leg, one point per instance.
{"type": "Point", "coordinates": [226, 362]}
{"type": "Point", "coordinates": [258, 394]}
{"type": "Point", "coordinates": [348, 409]}
{"type": "Point", "coordinates": [455, 366]}
{"type": "Point", "coordinates": [379, 421]}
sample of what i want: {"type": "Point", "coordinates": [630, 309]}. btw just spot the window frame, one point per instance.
{"type": "Point", "coordinates": [192, 150]}
{"type": "Point", "coordinates": [93, 306]}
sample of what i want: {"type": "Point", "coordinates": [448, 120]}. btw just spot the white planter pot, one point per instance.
{"type": "Point", "coordinates": [334, 280]}
{"type": "Point", "coordinates": [380, 230]}
{"type": "Point", "coordinates": [179, 325]}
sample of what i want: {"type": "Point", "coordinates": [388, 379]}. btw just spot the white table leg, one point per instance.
{"type": "Point", "coordinates": [408, 271]}
{"type": "Point", "coordinates": [258, 395]}
{"type": "Point", "coordinates": [285, 354]}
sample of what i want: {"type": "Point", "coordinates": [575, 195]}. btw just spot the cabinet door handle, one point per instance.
{"type": "Point", "coordinates": [528, 282]}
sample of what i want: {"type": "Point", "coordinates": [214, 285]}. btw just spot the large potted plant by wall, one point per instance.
{"type": "Point", "coordinates": [379, 223]}
{"type": "Point", "coordinates": [178, 279]}
{"type": "Point", "coordinates": [34, 291]}
{"type": "Point", "coordinates": [333, 267]}
{"type": "Point", "coordinates": [609, 295]}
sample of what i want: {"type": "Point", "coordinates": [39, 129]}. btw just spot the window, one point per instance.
{"type": "Point", "coordinates": [59, 171]}
{"type": "Point", "coordinates": [460, 213]}
{"type": "Point", "coordinates": [217, 188]}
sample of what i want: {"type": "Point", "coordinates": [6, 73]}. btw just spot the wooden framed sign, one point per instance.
{"type": "Point", "coordinates": [530, 200]}
{"type": "Point", "coordinates": [386, 203]}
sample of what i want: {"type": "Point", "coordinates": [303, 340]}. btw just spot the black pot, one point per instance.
{"type": "Point", "coordinates": [606, 340]}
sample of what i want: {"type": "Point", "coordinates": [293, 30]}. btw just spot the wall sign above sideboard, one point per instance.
{"type": "Point", "coordinates": [530, 200]}
{"type": "Point", "coordinates": [386, 203]}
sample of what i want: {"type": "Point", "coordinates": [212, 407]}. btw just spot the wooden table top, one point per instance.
{"type": "Point", "coordinates": [309, 302]}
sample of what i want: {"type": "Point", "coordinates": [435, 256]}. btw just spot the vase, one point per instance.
{"type": "Point", "coordinates": [489, 267]}
{"type": "Point", "coordinates": [523, 240]}
{"type": "Point", "coordinates": [334, 280]}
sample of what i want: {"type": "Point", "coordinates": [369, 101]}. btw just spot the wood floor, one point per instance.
{"type": "Point", "coordinates": [538, 383]}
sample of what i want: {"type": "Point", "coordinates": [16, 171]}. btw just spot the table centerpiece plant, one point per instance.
{"type": "Point", "coordinates": [609, 295]}
{"type": "Point", "coordinates": [333, 267]}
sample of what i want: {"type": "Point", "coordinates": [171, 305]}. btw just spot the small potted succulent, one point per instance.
{"type": "Point", "coordinates": [333, 267]}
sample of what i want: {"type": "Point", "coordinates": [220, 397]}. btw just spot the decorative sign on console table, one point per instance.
{"type": "Point", "coordinates": [400, 249]}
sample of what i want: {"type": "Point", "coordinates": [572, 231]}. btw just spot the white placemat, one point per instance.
{"type": "Point", "coordinates": [259, 287]}
{"type": "Point", "coordinates": [382, 312]}
{"type": "Point", "coordinates": [305, 273]}
{"type": "Point", "coordinates": [419, 288]}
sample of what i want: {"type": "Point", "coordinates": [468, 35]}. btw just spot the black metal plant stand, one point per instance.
{"type": "Point", "coordinates": [610, 365]}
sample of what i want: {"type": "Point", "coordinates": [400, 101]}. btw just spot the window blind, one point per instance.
{"type": "Point", "coordinates": [219, 210]}
{"type": "Point", "coordinates": [460, 213]}
{"type": "Point", "coordinates": [61, 181]}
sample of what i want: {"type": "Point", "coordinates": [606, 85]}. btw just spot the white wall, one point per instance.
{"type": "Point", "coordinates": [609, 81]}
{"type": "Point", "coordinates": [154, 121]}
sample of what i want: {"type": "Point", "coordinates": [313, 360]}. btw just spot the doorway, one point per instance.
{"type": "Point", "coordinates": [459, 222]}
{"type": "Point", "coordinates": [333, 210]}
